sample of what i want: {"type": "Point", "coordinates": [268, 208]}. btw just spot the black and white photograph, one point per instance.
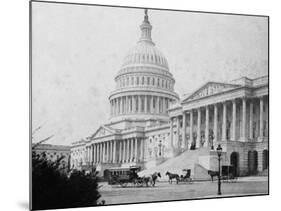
{"type": "Point", "coordinates": [139, 105]}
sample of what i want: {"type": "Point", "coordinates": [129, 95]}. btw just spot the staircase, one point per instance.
{"type": "Point", "coordinates": [186, 160]}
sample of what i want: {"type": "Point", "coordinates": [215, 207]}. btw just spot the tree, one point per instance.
{"type": "Point", "coordinates": [53, 189]}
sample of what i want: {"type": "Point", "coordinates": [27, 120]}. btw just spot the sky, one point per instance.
{"type": "Point", "coordinates": [77, 51]}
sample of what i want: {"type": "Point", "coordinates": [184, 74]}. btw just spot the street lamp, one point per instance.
{"type": "Point", "coordinates": [219, 152]}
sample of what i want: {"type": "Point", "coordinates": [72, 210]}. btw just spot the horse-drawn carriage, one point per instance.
{"type": "Point", "coordinates": [228, 173]}
{"type": "Point", "coordinates": [182, 178]}
{"type": "Point", "coordinates": [126, 176]}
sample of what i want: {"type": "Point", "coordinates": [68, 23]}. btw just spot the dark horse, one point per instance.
{"type": "Point", "coordinates": [213, 174]}
{"type": "Point", "coordinates": [152, 179]}
{"type": "Point", "coordinates": [173, 176]}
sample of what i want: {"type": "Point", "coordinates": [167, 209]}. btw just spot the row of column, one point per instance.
{"type": "Point", "coordinates": [127, 150]}
{"type": "Point", "coordinates": [104, 152]}
{"type": "Point", "coordinates": [243, 135]}
{"type": "Point", "coordinates": [130, 150]}
{"type": "Point", "coordinates": [139, 104]}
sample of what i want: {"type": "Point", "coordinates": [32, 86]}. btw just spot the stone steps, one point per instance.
{"type": "Point", "coordinates": [185, 160]}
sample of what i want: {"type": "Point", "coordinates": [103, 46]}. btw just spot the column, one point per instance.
{"type": "Point", "coordinates": [102, 152]}
{"type": "Point", "coordinates": [141, 150]}
{"type": "Point", "coordinates": [124, 151]}
{"type": "Point", "coordinates": [151, 104]}
{"type": "Point", "coordinates": [120, 151]}
{"type": "Point", "coordinates": [114, 152]}
{"type": "Point", "coordinates": [139, 106]}
{"type": "Point", "coordinates": [171, 132]}
{"type": "Point", "coordinates": [117, 105]}
{"type": "Point", "coordinates": [145, 104]}
{"type": "Point", "coordinates": [178, 132]}
{"type": "Point", "coordinates": [127, 105]}
{"type": "Point", "coordinates": [184, 130]}
{"type": "Point", "coordinates": [215, 126]}
{"type": "Point", "coordinates": [224, 121]}
{"type": "Point", "coordinates": [133, 104]}
{"type": "Point", "coordinates": [261, 120]}
{"type": "Point", "coordinates": [136, 149]}
{"type": "Point", "coordinates": [110, 152]}
{"type": "Point", "coordinates": [233, 120]}
{"type": "Point", "coordinates": [98, 154]}
{"type": "Point", "coordinates": [198, 128]}
{"type": "Point", "coordinates": [206, 144]}
{"type": "Point", "coordinates": [107, 151]}
{"type": "Point", "coordinates": [132, 149]}
{"type": "Point", "coordinates": [243, 119]}
{"type": "Point", "coordinates": [191, 129]}
{"type": "Point", "coordinates": [95, 153]}
{"type": "Point", "coordinates": [91, 154]}
{"type": "Point", "coordinates": [157, 105]}
{"type": "Point", "coordinates": [128, 151]}
{"type": "Point", "coordinates": [251, 120]}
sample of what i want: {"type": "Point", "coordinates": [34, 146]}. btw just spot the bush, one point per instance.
{"type": "Point", "coordinates": [53, 189]}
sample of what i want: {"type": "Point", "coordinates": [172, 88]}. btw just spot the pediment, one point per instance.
{"type": "Point", "coordinates": [102, 131]}
{"type": "Point", "coordinates": [209, 89]}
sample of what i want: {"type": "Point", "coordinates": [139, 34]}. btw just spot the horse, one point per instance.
{"type": "Point", "coordinates": [151, 179]}
{"type": "Point", "coordinates": [172, 176]}
{"type": "Point", "coordinates": [213, 174]}
{"type": "Point", "coordinates": [154, 177]}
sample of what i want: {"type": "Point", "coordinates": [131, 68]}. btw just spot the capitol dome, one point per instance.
{"type": "Point", "coordinates": [144, 85]}
{"type": "Point", "coordinates": [145, 53]}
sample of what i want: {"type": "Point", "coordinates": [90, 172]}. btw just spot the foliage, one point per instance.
{"type": "Point", "coordinates": [53, 189]}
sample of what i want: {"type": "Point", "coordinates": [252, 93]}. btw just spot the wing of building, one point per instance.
{"type": "Point", "coordinates": [151, 127]}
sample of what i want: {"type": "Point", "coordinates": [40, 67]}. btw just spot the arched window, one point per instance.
{"type": "Point", "coordinates": [132, 80]}
{"type": "Point", "coordinates": [148, 80]}
{"type": "Point", "coordinates": [158, 82]}
{"type": "Point", "coordinates": [153, 81]}
{"type": "Point", "coordinates": [137, 80]}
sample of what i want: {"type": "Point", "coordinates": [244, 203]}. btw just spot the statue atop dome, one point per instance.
{"type": "Point", "coordinates": [146, 29]}
{"type": "Point", "coordinates": [146, 16]}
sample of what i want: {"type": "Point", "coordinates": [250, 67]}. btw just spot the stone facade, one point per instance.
{"type": "Point", "coordinates": [54, 152]}
{"type": "Point", "coordinates": [149, 124]}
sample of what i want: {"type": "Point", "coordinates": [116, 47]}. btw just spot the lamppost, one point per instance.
{"type": "Point", "coordinates": [219, 152]}
{"type": "Point", "coordinates": [160, 145]}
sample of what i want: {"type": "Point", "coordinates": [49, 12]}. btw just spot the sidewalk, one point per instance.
{"type": "Point", "coordinates": [253, 179]}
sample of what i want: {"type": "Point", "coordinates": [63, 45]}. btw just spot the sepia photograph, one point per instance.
{"type": "Point", "coordinates": [139, 105]}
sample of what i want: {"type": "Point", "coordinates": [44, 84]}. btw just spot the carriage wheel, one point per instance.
{"type": "Point", "coordinates": [123, 185]}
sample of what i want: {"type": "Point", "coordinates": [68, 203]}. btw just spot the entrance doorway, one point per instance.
{"type": "Point", "coordinates": [265, 159]}
{"type": "Point", "coordinates": [252, 162]}
{"type": "Point", "coordinates": [234, 161]}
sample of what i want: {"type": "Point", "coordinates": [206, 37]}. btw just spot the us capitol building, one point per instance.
{"type": "Point", "coordinates": [150, 126]}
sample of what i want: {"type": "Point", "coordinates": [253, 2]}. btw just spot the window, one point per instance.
{"type": "Point", "coordinates": [153, 81]}
{"type": "Point", "coordinates": [137, 80]}
{"type": "Point", "coordinates": [148, 80]}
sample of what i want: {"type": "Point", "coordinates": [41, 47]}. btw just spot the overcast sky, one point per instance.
{"type": "Point", "coordinates": [77, 50]}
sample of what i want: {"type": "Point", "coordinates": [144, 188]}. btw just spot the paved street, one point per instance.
{"type": "Point", "coordinates": [164, 191]}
